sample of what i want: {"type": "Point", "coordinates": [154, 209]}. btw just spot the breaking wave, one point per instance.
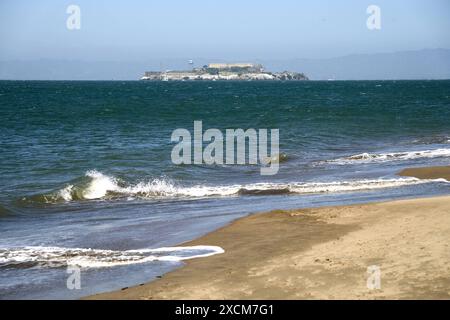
{"type": "Point", "coordinates": [56, 257]}
{"type": "Point", "coordinates": [103, 187]}
{"type": "Point", "coordinates": [395, 156]}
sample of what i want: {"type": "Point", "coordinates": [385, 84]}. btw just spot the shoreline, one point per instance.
{"type": "Point", "coordinates": [320, 253]}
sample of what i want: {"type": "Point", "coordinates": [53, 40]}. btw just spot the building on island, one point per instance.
{"type": "Point", "coordinates": [237, 67]}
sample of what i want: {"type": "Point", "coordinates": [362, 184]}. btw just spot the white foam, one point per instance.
{"type": "Point", "coordinates": [394, 156]}
{"type": "Point", "coordinates": [97, 258]}
{"type": "Point", "coordinates": [66, 193]}
{"type": "Point", "coordinates": [101, 185]}
{"type": "Point", "coordinates": [345, 186]}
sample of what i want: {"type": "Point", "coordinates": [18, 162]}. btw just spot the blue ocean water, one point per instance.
{"type": "Point", "coordinates": [87, 165]}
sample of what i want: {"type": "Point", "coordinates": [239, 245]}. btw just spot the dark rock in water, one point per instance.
{"type": "Point", "coordinates": [259, 192]}
{"type": "Point", "coordinates": [283, 157]}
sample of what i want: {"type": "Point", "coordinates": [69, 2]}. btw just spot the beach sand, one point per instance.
{"type": "Point", "coordinates": [427, 172]}
{"type": "Point", "coordinates": [320, 253]}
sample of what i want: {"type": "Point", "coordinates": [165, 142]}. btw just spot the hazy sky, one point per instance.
{"type": "Point", "coordinates": [284, 29]}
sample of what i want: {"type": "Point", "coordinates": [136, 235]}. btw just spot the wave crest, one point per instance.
{"type": "Point", "coordinates": [103, 187]}
{"type": "Point", "coordinates": [395, 156]}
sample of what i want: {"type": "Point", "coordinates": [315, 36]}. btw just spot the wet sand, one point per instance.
{"type": "Point", "coordinates": [320, 253]}
{"type": "Point", "coordinates": [427, 172]}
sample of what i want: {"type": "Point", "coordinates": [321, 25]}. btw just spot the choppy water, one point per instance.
{"type": "Point", "coordinates": [86, 176]}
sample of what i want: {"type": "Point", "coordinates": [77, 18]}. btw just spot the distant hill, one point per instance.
{"type": "Point", "coordinates": [421, 64]}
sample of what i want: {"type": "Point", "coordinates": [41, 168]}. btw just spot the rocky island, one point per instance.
{"type": "Point", "coordinates": [224, 71]}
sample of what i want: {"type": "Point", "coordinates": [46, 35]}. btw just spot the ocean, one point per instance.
{"type": "Point", "coordinates": [87, 178]}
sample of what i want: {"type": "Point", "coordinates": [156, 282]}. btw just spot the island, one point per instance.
{"type": "Point", "coordinates": [224, 71]}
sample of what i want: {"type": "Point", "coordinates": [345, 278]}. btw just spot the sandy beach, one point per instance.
{"type": "Point", "coordinates": [321, 253]}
